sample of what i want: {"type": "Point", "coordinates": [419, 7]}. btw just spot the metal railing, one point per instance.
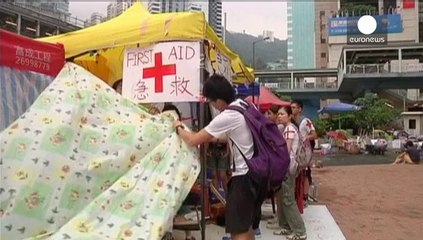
{"type": "Point", "coordinates": [318, 83]}
{"type": "Point", "coordinates": [345, 13]}
{"type": "Point", "coordinates": [383, 68]}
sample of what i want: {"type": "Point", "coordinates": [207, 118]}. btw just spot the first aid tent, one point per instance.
{"type": "Point", "coordinates": [100, 48]}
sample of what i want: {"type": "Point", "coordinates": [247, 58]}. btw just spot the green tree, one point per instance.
{"type": "Point", "coordinates": [375, 112]}
{"type": "Point", "coordinates": [324, 125]}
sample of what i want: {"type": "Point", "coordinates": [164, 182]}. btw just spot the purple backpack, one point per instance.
{"type": "Point", "coordinates": [270, 160]}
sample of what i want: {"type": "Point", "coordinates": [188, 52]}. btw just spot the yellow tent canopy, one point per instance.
{"type": "Point", "coordinates": [100, 48]}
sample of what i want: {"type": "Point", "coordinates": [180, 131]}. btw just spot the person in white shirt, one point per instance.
{"type": "Point", "coordinates": [245, 196]}
{"type": "Point", "coordinates": [308, 133]}
{"type": "Point", "coordinates": [290, 220]}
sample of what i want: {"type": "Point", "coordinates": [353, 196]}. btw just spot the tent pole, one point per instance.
{"type": "Point", "coordinates": [201, 124]}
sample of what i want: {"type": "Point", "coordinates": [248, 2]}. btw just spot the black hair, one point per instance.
{"type": "Point", "coordinates": [409, 144]}
{"type": "Point", "coordinates": [298, 103]}
{"type": "Point", "coordinates": [114, 86]}
{"type": "Point", "coordinates": [218, 87]}
{"type": "Point", "coordinates": [288, 110]}
{"type": "Point", "coordinates": [274, 108]}
{"type": "Point", "coordinates": [171, 107]}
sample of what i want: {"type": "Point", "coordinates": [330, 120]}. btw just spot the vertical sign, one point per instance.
{"type": "Point", "coordinates": [216, 61]}
{"type": "Point", "coordinates": [165, 72]}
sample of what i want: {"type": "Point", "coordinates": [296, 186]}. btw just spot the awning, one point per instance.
{"type": "Point", "coordinates": [339, 108]}
{"type": "Point", "coordinates": [267, 99]}
{"type": "Point", "coordinates": [137, 27]}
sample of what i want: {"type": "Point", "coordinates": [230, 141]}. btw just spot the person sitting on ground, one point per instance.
{"type": "Point", "coordinates": [411, 155]}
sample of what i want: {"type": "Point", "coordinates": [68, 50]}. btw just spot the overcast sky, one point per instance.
{"type": "Point", "coordinates": [253, 17]}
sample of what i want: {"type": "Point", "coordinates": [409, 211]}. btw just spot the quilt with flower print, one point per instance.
{"type": "Point", "coordinates": [85, 163]}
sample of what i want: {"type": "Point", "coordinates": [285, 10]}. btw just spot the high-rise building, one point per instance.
{"type": "Point", "coordinates": [111, 10]}
{"type": "Point", "coordinates": [308, 33]}
{"type": "Point", "coordinates": [117, 8]}
{"type": "Point", "coordinates": [215, 16]}
{"type": "Point", "coordinates": [162, 6]}
{"type": "Point", "coordinates": [420, 21]}
{"type": "Point", "coordinates": [57, 8]}
{"type": "Point", "coordinates": [269, 34]}
{"type": "Point", "coordinates": [154, 6]}
{"type": "Point", "coordinates": [402, 15]}
{"type": "Point", "coordinates": [301, 20]}
{"type": "Point", "coordinates": [94, 19]}
{"type": "Point", "coordinates": [212, 10]}
{"type": "Point", "coordinates": [323, 10]}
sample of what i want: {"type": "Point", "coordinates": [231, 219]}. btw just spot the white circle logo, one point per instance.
{"type": "Point", "coordinates": [367, 24]}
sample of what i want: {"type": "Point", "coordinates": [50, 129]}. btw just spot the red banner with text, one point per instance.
{"type": "Point", "coordinates": [27, 54]}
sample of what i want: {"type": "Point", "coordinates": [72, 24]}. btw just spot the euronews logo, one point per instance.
{"type": "Point", "coordinates": [368, 30]}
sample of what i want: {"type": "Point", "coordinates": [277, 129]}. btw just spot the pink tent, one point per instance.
{"type": "Point", "coordinates": [266, 99]}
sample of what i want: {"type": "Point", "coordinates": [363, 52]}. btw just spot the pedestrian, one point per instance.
{"type": "Point", "coordinates": [307, 133]}
{"type": "Point", "coordinates": [245, 196]}
{"type": "Point", "coordinates": [290, 220]}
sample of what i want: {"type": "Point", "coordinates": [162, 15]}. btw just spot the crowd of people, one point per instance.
{"type": "Point", "coordinates": [229, 142]}
{"type": "Point", "coordinates": [244, 196]}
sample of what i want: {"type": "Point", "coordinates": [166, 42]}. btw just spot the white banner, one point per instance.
{"type": "Point", "coordinates": [165, 72]}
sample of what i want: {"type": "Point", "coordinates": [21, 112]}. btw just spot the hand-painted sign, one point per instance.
{"type": "Point", "coordinates": [216, 61]}
{"type": "Point", "coordinates": [165, 72]}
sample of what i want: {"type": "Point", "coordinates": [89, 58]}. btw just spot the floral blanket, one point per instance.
{"type": "Point", "coordinates": [85, 163]}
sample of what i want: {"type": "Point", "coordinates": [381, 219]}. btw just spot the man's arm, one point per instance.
{"type": "Point", "coordinates": [312, 135]}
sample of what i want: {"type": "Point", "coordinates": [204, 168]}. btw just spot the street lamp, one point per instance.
{"type": "Point", "coordinates": [254, 61]}
{"type": "Point", "coordinates": [254, 49]}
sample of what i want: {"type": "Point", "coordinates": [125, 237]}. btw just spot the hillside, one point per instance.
{"type": "Point", "coordinates": [242, 44]}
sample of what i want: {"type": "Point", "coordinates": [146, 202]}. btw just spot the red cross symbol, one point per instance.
{"type": "Point", "coordinates": [158, 71]}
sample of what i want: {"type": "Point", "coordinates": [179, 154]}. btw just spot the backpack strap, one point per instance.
{"type": "Point", "coordinates": [241, 111]}
{"type": "Point", "coordinates": [236, 108]}
{"type": "Point", "coordinates": [239, 150]}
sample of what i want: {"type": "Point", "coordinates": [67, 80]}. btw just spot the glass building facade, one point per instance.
{"type": "Point", "coordinates": [301, 21]}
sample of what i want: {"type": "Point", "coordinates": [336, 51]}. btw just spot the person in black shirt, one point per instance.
{"type": "Point", "coordinates": [411, 155]}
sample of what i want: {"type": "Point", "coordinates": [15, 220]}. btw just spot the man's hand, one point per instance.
{"type": "Point", "coordinates": [176, 123]}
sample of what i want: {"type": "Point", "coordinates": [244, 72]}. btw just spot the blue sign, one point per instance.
{"type": "Point", "coordinates": [391, 23]}
{"type": "Point", "coordinates": [243, 90]}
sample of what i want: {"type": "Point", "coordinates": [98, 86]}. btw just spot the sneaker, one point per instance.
{"type": "Point", "coordinates": [273, 220]}
{"type": "Point", "coordinates": [283, 232]}
{"type": "Point", "coordinates": [297, 237]}
{"type": "Point", "coordinates": [274, 226]}
{"type": "Point", "coordinates": [257, 232]}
